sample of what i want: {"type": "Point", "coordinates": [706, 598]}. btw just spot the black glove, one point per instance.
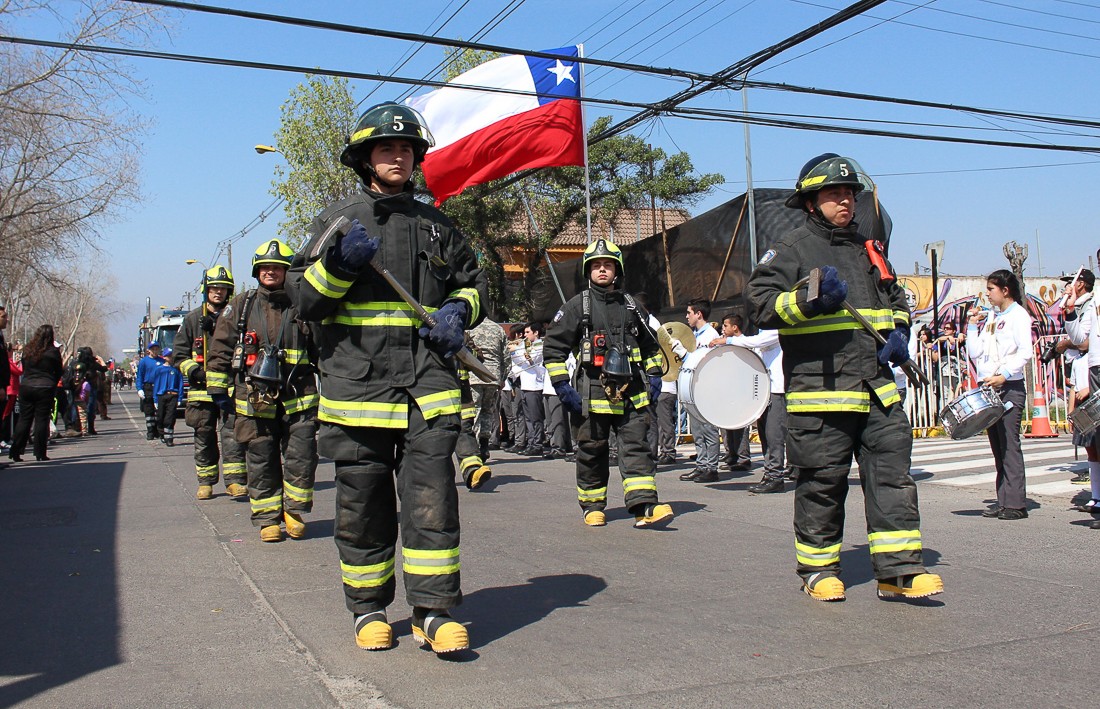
{"type": "Point", "coordinates": [654, 388]}
{"type": "Point", "coordinates": [222, 401]}
{"type": "Point", "coordinates": [356, 248]}
{"type": "Point", "coordinates": [197, 378]}
{"type": "Point", "coordinates": [830, 293]}
{"type": "Point", "coordinates": [896, 349]}
{"type": "Point", "coordinates": [449, 334]}
{"type": "Point", "coordinates": [208, 322]}
{"type": "Point", "coordinates": [568, 396]}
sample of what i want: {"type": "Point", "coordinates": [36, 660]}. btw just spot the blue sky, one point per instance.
{"type": "Point", "coordinates": [203, 182]}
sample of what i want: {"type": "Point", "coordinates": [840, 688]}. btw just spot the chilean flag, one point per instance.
{"type": "Point", "coordinates": [484, 135]}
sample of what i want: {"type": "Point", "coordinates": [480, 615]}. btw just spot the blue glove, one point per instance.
{"type": "Point", "coordinates": [356, 248]}
{"type": "Point", "coordinates": [831, 292]}
{"type": "Point", "coordinates": [896, 349]}
{"type": "Point", "coordinates": [222, 401]}
{"type": "Point", "coordinates": [654, 388]}
{"type": "Point", "coordinates": [449, 334]}
{"type": "Point", "coordinates": [568, 396]}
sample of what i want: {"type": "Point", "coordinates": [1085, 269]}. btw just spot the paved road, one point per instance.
{"type": "Point", "coordinates": [122, 590]}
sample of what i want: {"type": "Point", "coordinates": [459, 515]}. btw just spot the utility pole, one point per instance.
{"type": "Point", "coordinates": [748, 176]}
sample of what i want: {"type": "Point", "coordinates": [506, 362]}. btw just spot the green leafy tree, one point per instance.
{"type": "Point", "coordinates": [315, 123]}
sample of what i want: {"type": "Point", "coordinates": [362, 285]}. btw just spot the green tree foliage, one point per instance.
{"type": "Point", "coordinates": [315, 123]}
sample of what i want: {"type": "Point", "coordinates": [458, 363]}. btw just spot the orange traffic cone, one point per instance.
{"type": "Point", "coordinates": [1040, 419]}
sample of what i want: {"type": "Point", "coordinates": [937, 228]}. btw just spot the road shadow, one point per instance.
{"type": "Point", "coordinates": [1030, 505]}
{"type": "Point", "coordinates": [57, 569]}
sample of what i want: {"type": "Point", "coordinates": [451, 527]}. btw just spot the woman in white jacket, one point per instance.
{"type": "Point", "coordinates": [1000, 346]}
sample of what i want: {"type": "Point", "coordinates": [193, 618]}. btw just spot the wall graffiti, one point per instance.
{"type": "Point", "coordinates": [958, 294]}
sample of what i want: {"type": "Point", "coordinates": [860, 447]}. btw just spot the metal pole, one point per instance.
{"type": "Point", "coordinates": [748, 175]}
{"type": "Point", "coordinates": [545, 253]}
{"type": "Point", "coordinates": [587, 183]}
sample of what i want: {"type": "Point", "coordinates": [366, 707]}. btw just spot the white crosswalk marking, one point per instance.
{"type": "Point", "coordinates": [1049, 464]}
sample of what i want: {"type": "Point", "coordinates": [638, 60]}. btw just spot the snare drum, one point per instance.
{"type": "Point", "coordinates": [726, 386]}
{"type": "Point", "coordinates": [1086, 416]}
{"type": "Point", "coordinates": [972, 412]}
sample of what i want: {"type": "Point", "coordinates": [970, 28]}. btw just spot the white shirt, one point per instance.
{"type": "Point", "coordinates": [1079, 375]}
{"type": "Point", "coordinates": [1083, 327]}
{"type": "Point", "coordinates": [527, 365]}
{"type": "Point", "coordinates": [1002, 345]}
{"type": "Point", "coordinates": [704, 335]}
{"type": "Point", "coordinates": [765, 344]}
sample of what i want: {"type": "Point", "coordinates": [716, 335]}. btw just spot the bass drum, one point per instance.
{"type": "Point", "coordinates": [726, 386]}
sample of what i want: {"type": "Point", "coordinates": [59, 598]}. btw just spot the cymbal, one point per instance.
{"type": "Point", "coordinates": [667, 332]}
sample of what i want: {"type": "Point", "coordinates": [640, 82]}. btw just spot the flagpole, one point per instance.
{"type": "Point", "coordinates": [584, 129]}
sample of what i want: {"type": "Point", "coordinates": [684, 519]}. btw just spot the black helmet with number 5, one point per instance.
{"type": "Point", "coordinates": [386, 120]}
{"type": "Point", "coordinates": [824, 171]}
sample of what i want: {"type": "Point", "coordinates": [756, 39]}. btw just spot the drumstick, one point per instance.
{"type": "Point", "coordinates": [1065, 296]}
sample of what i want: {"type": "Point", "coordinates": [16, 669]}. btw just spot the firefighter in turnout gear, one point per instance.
{"type": "Point", "coordinates": [262, 352]}
{"type": "Point", "coordinates": [212, 425]}
{"type": "Point", "coordinates": [618, 360]}
{"type": "Point", "coordinates": [841, 397]}
{"type": "Point", "coordinates": [390, 396]}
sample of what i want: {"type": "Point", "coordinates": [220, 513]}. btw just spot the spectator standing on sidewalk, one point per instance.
{"type": "Point", "coordinates": [41, 372]}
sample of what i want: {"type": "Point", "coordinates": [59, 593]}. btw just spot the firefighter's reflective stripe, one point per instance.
{"type": "Point", "coordinates": [888, 394]}
{"type": "Point", "coordinates": [233, 468]}
{"type": "Point", "coordinates": [267, 504]}
{"type": "Point", "coordinates": [243, 407]}
{"type": "Point", "coordinates": [603, 406]}
{"type": "Point", "coordinates": [880, 318]}
{"type": "Point", "coordinates": [469, 412]}
{"type": "Point", "coordinates": [786, 306]}
{"type": "Point", "coordinates": [470, 462]}
{"type": "Point", "coordinates": [429, 562]}
{"type": "Point", "coordinates": [598, 494]}
{"type": "Point", "coordinates": [887, 542]}
{"type": "Point", "coordinates": [556, 369]}
{"type": "Point", "coordinates": [207, 472]}
{"type": "Point", "coordinates": [296, 356]}
{"type": "Point", "coordinates": [470, 296]}
{"type": "Point", "coordinates": [293, 406]}
{"type": "Point", "coordinates": [635, 354]}
{"type": "Point", "coordinates": [902, 316]}
{"type": "Point", "coordinates": [811, 556]}
{"type": "Point", "coordinates": [440, 403]}
{"type": "Point", "coordinates": [198, 396]}
{"type": "Point", "coordinates": [326, 283]}
{"type": "Point", "coordinates": [217, 380]}
{"type": "Point", "coordinates": [656, 361]}
{"type": "Point", "coordinates": [301, 494]}
{"type": "Point", "coordinates": [639, 482]}
{"type": "Point", "coordinates": [814, 401]}
{"type": "Point", "coordinates": [187, 365]}
{"type": "Point", "coordinates": [364, 413]}
{"type": "Point", "coordinates": [375, 313]}
{"type": "Point", "coordinates": [368, 576]}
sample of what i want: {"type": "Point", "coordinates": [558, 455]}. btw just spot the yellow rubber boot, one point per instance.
{"type": "Point", "coordinates": [205, 492]}
{"type": "Point", "coordinates": [653, 516]}
{"type": "Point", "coordinates": [373, 632]}
{"type": "Point", "coordinates": [822, 587]}
{"type": "Point", "coordinates": [271, 533]}
{"type": "Point", "coordinates": [478, 477]}
{"type": "Point", "coordinates": [914, 586]}
{"type": "Point", "coordinates": [442, 632]}
{"type": "Point", "coordinates": [236, 490]}
{"type": "Point", "coordinates": [595, 518]}
{"type": "Point", "coordinates": [295, 527]}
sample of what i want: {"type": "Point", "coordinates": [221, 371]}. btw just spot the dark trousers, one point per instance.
{"type": "Point", "coordinates": [821, 446]}
{"type": "Point", "coordinates": [1008, 456]}
{"type": "Point", "coordinates": [667, 425]}
{"type": "Point", "coordinates": [281, 458]}
{"type": "Point", "coordinates": [166, 413]}
{"type": "Point", "coordinates": [213, 426]}
{"type": "Point", "coordinates": [636, 465]}
{"type": "Point", "coordinates": [149, 408]}
{"type": "Point", "coordinates": [535, 417]}
{"type": "Point", "coordinates": [737, 445]}
{"type": "Point", "coordinates": [557, 427]}
{"type": "Point", "coordinates": [367, 518]}
{"type": "Point", "coordinates": [772, 426]}
{"type": "Point", "coordinates": [35, 406]}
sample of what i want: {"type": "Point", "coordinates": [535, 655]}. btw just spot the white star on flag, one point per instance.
{"type": "Point", "coordinates": [562, 71]}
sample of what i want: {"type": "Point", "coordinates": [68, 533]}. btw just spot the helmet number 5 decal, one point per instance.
{"type": "Point", "coordinates": [398, 125]}
{"type": "Point", "coordinates": [844, 169]}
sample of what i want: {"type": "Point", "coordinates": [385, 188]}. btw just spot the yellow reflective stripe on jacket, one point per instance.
{"type": "Point", "coordinates": [325, 283]}
{"type": "Point", "coordinates": [376, 313]}
{"type": "Point", "coordinates": [440, 403]}
{"type": "Point", "coordinates": [881, 319]}
{"type": "Point", "coordinates": [470, 296]}
{"type": "Point", "coordinates": [267, 504]}
{"type": "Point", "coordinates": [187, 365]}
{"type": "Point", "coordinates": [369, 576]}
{"type": "Point", "coordinates": [655, 361]}
{"type": "Point", "coordinates": [469, 412]}
{"type": "Point", "coordinates": [363, 413]}
{"type": "Point", "coordinates": [635, 354]}
{"type": "Point", "coordinates": [603, 406]}
{"type": "Point", "coordinates": [639, 482]}
{"type": "Point", "coordinates": [293, 406]}
{"type": "Point", "coordinates": [640, 399]}
{"type": "Point", "coordinates": [245, 408]}
{"type": "Point", "coordinates": [198, 396]}
{"type": "Point", "coordinates": [889, 394]}
{"type": "Point", "coordinates": [786, 306]}
{"type": "Point", "coordinates": [301, 494]}
{"type": "Point", "coordinates": [811, 556]}
{"type": "Point", "coordinates": [811, 401]}
{"type": "Point", "coordinates": [429, 562]}
{"type": "Point", "coordinates": [598, 494]}
{"type": "Point", "coordinates": [556, 369]}
{"type": "Point", "coordinates": [217, 379]}
{"type": "Point", "coordinates": [902, 540]}
{"type": "Point", "coordinates": [296, 356]}
{"type": "Point", "coordinates": [903, 316]}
